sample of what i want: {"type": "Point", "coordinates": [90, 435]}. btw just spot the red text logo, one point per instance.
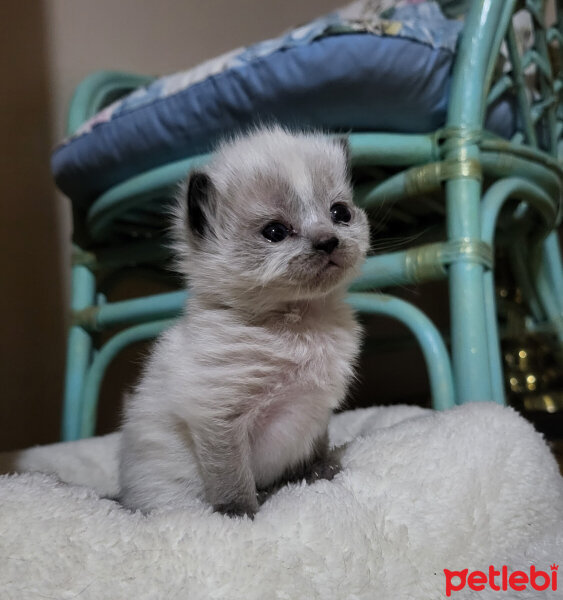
{"type": "Point", "coordinates": [501, 579]}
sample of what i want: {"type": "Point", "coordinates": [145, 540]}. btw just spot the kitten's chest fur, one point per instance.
{"type": "Point", "coordinates": [318, 349]}
{"type": "Point", "coordinates": [314, 355]}
{"type": "Point", "coordinates": [277, 380]}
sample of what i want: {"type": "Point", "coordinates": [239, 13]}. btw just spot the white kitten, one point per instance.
{"type": "Point", "coordinates": [237, 396]}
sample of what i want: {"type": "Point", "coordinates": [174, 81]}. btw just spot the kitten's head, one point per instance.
{"type": "Point", "coordinates": [270, 219]}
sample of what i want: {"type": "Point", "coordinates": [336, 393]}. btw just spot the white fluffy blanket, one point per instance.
{"type": "Point", "coordinates": [419, 492]}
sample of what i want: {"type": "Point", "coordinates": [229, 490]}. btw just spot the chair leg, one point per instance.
{"type": "Point", "coordinates": [554, 266]}
{"type": "Point", "coordinates": [546, 288]}
{"type": "Point", "coordinates": [470, 353]}
{"type": "Point", "coordinates": [95, 373]}
{"type": "Point", "coordinates": [522, 274]}
{"type": "Point", "coordinates": [79, 350]}
{"type": "Point", "coordinates": [493, 338]}
{"type": "Point", "coordinates": [428, 337]}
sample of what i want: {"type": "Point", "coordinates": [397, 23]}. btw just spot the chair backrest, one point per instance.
{"type": "Point", "coordinates": [495, 59]}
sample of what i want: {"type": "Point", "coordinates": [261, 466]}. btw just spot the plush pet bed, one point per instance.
{"type": "Point", "coordinates": [420, 492]}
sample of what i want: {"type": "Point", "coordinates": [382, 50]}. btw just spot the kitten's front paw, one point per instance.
{"type": "Point", "coordinates": [236, 509]}
{"type": "Point", "coordinates": [263, 495]}
{"type": "Point", "coordinates": [323, 469]}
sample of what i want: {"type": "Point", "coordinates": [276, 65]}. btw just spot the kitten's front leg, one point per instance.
{"type": "Point", "coordinates": [325, 462]}
{"type": "Point", "coordinates": [224, 457]}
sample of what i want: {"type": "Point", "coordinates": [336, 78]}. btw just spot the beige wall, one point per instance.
{"type": "Point", "coordinates": [157, 36]}
{"type": "Point", "coordinates": [46, 48]}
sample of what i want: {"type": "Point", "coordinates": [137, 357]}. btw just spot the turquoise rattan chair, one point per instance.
{"type": "Point", "coordinates": [489, 193]}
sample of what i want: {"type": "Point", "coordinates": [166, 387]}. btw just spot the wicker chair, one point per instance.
{"type": "Point", "coordinates": [489, 193]}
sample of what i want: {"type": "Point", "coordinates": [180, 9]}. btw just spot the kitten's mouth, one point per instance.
{"type": "Point", "coordinates": [328, 267]}
{"type": "Point", "coordinates": [332, 263]}
{"type": "Point", "coordinates": [331, 267]}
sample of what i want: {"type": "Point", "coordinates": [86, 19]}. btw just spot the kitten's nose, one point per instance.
{"type": "Point", "coordinates": [327, 244]}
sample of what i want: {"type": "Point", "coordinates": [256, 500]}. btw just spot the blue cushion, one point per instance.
{"type": "Point", "coordinates": [341, 80]}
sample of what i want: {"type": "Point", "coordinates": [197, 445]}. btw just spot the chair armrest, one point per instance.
{"type": "Point", "coordinates": [97, 91]}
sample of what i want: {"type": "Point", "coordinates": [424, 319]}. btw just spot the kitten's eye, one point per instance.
{"type": "Point", "coordinates": [340, 213]}
{"type": "Point", "coordinates": [275, 231]}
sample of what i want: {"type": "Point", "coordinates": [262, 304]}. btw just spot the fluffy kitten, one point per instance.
{"type": "Point", "coordinates": [237, 396]}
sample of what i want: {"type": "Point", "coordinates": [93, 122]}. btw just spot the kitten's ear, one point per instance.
{"type": "Point", "coordinates": [199, 201]}
{"type": "Point", "coordinates": [344, 143]}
